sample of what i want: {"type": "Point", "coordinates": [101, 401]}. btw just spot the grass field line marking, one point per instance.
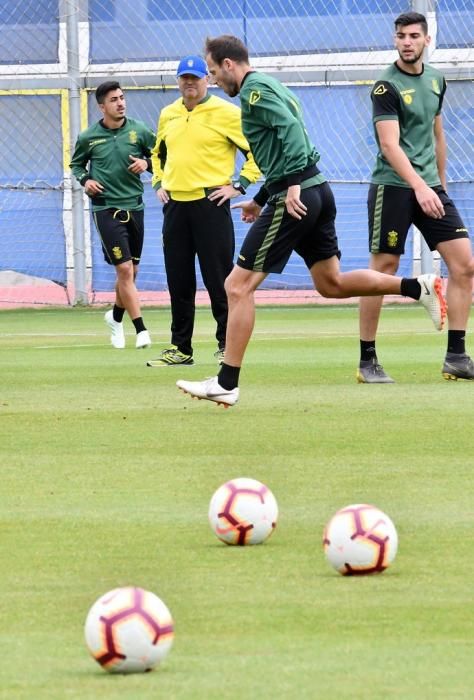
{"type": "Point", "coordinates": [262, 336]}
{"type": "Point", "coordinates": [270, 334]}
{"type": "Point", "coordinates": [327, 334]}
{"type": "Point", "coordinates": [50, 335]}
{"type": "Point", "coordinates": [58, 347]}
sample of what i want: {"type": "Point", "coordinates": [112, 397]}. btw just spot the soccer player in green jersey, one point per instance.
{"type": "Point", "coordinates": [108, 160]}
{"type": "Point", "coordinates": [298, 215]}
{"type": "Point", "coordinates": [408, 186]}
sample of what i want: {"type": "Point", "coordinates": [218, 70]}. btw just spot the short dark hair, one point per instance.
{"type": "Point", "coordinates": [226, 46]}
{"type": "Point", "coordinates": [104, 88]}
{"type": "Point", "coordinates": [407, 18]}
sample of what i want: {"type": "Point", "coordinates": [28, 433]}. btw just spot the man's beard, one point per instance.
{"type": "Point", "coordinates": [232, 89]}
{"type": "Point", "coordinates": [413, 59]}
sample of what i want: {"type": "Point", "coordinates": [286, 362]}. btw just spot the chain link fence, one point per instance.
{"type": "Point", "coordinates": [54, 53]}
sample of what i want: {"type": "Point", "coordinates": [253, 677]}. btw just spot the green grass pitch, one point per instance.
{"type": "Point", "coordinates": [106, 475]}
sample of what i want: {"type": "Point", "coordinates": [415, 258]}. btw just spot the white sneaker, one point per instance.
{"type": "Point", "coordinates": [143, 340]}
{"type": "Point", "coordinates": [210, 390]}
{"type": "Point", "coordinates": [117, 336]}
{"type": "Point", "coordinates": [432, 299]}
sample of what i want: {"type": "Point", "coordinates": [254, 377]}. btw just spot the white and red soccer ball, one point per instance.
{"type": "Point", "coordinates": [129, 630]}
{"type": "Point", "coordinates": [243, 511]}
{"type": "Point", "coordinates": [360, 539]}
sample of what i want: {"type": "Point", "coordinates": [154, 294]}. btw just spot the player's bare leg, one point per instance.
{"type": "Point", "coordinates": [369, 370]}
{"type": "Point", "coordinates": [427, 288]}
{"type": "Point", "coordinates": [240, 286]}
{"type": "Point", "coordinates": [223, 389]}
{"type": "Point", "coordinates": [370, 307]}
{"type": "Point", "coordinates": [125, 289]}
{"type": "Point", "coordinates": [331, 282]}
{"type": "Point", "coordinates": [457, 255]}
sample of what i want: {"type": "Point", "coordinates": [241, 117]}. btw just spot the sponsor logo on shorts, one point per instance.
{"type": "Point", "coordinates": [117, 252]}
{"type": "Point", "coordinates": [462, 230]}
{"type": "Point", "coordinates": [392, 239]}
{"type": "Point", "coordinates": [241, 257]}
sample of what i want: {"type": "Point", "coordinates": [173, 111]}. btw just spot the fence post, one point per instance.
{"type": "Point", "coordinates": [77, 207]}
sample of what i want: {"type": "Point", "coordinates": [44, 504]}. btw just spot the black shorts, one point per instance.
{"type": "Point", "coordinates": [121, 233]}
{"type": "Point", "coordinates": [275, 234]}
{"type": "Point", "coordinates": [393, 209]}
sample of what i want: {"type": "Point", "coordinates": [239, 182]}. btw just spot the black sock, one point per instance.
{"type": "Point", "coordinates": [410, 287]}
{"type": "Point", "coordinates": [118, 313]}
{"type": "Point", "coordinates": [228, 377]}
{"type": "Point", "coordinates": [139, 325]}
{"type": "Point", "coordinates": [367, 350]}
{"type": "Point", "coordinates": [185, 349]}
{"type": "Point", "coordinates": [457, 342]}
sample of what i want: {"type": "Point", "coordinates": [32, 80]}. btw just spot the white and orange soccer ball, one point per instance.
{"type": "Point", "coordinates": [129, 630]}
{"type": "Point", "coordinates": [360, 539]}
{"type": "Point", "coordinates": [243, 511]}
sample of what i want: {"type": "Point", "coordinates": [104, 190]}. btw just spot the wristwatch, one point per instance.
{"type": "Point", "coordinates": [237, 185]}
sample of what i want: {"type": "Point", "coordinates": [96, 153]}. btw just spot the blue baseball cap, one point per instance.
{"type": "Point", "coordinates": [192, 65]}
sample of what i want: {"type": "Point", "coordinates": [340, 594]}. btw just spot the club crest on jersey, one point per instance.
{"type": "Point", "coordinates": [254, 97]}
{"type": "Point", "coordinates": [133, 137]}
{"type": "Point", "coordinates": [392, 239]}
{"type": "Point", "coordinates": [380, 89]}
{"type": "Point", "coordinates": [407, 95]}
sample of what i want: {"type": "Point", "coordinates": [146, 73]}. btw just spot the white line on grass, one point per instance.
{"type": "Point", "coordinates": [58, 347]}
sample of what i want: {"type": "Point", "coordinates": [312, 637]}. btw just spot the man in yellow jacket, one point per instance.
{"type": "Point", "coordinates": [194, 160]}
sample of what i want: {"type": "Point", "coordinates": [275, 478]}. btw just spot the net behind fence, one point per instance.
{"type": "Point", "coordinates": [329, 52]}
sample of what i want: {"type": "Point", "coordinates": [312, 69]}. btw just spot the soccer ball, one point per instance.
{"type": "Point", "coordinates": [360, 539]}
{"type": "Point", "coordinates": [243, 511]}
{"type": "Point", "coordinates": [129, 630]}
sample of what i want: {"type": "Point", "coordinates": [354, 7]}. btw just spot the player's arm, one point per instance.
{"type": "Point", "coordinates": [290, 131]}
{"type": "Point", "coordinates": [78, 165]}
{"type": "Point", "coordinates": [142, 163]}
{"type": "Point", "coordinates": [440, 149]}
{"type": "Point", "coordinates": [158, 160]}
{"type": "Point", "coordinates": [149, 140]}
{"type": "Point", "coordinates": [158, 153]}
{"type": "Point", "coordinates": [80, 160]}
{"type": "Point", "coordinates": [250, 210]}
{"type": "Point", "coordinates": [291, 134]}
{"type": "Point", "coordinates": [249, 171]}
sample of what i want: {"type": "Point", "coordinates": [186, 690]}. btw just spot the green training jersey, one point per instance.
{"type": "Point", "coordinates": [272, 123]}
{"type": "Point", "coordinates": [414, 101]}
{"type": "Point", "coordinates": [103, 155]}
